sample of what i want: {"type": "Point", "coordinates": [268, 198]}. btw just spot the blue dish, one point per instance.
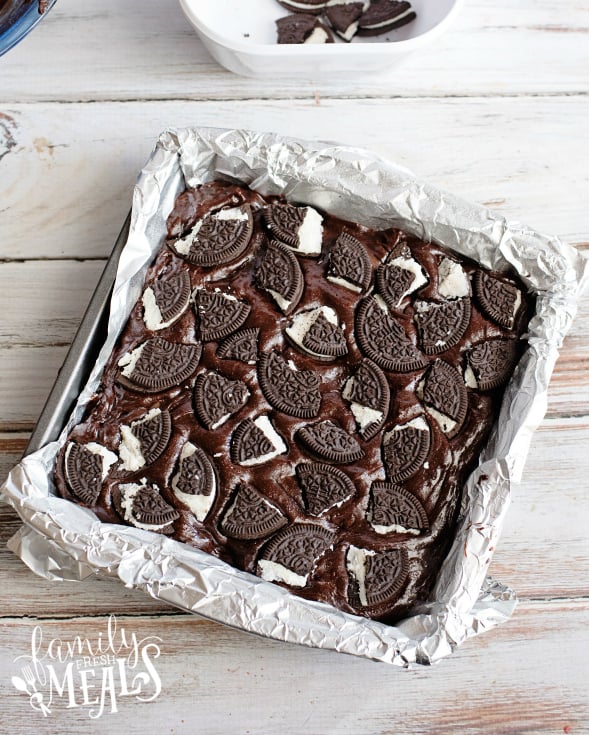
{"type": "Point", "coordinates": [17, 19]}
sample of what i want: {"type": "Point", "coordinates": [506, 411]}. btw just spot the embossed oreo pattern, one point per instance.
{"type": "Point", "coordinates": [325, 395]}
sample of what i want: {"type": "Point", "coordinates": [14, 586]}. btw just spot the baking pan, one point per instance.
{"type": "Point", "coordinates": [81, 356]}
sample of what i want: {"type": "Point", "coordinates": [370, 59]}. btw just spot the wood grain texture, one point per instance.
{"type": "Point", "coordinates": [496, 111]}
{"type": "Point", "coordinates": [518, 156]}
{"type": "Point", "coordinates": [506, 682]}
{"type": "Point", "coordinates": [509, 47]}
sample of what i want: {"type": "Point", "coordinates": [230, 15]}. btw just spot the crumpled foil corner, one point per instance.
{"type": "Point", "coordinates": [64, 541]}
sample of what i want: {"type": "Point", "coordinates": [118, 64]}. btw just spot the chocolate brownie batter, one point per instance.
{"type": "Point", "coordinates": [300, 396]}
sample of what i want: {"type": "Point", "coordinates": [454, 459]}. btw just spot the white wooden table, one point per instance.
{"type": "Point", "coordinates": [496, 111]}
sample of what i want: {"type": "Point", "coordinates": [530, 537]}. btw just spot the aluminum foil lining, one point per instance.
{"type": "Point", "coordinates": [62, 540]}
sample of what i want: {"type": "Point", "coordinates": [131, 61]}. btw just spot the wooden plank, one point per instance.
{"type": "Point", "coordinates": [88, 157]}
{"type": "Point", "coordinates": [151, 39]}
{"type": "Point", "coordinates": [528, 676]}
{"type": "Point", "coordinates": [542, 552]}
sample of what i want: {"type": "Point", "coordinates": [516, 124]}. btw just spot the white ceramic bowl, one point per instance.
{"type": "Point", "coordinates": [241, 36]}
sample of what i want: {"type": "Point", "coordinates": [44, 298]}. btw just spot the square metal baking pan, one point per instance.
{"type": "Point", "coordinates": [81, 356]}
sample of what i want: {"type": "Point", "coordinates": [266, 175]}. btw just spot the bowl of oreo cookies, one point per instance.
{"type": "Point", "coordinates": [316, 37]}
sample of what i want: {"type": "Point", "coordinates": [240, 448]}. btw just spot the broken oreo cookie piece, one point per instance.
{"type": "Point", "coordinates": [300, 28]}
{"type": "Point", "coordinates": [383, 16]}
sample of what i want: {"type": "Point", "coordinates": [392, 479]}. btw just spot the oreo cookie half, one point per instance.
{"type": "Point", "coordinates": [393, 509]}
{"type": "Point", "coordinates": [292, 555]}
{"type": "Point", "coordinates": [142, 506]}
{"type": "Point", "coordinates": [441, 326]}
{"type": "Point", "coordinates": [445, 396]}
{"type": "Point", "coordinates": [383, 16]}
{"type": "Point", "coordinates": [216, 398]}
{"type": "Point", "coordinates": [242, 346]}
{"type": "Point", "coordinates": [256, 441]}
{"type": "Point", "coordinates": [195, 482]}
{"type": "Point", "coordinates": [294, 392]}
{"type": "Point", "coordinates": [323, 486]}
{"type": "Point", "coordinates": [219, 314]}
{"type": "Point", "coordinates": [382, 338]}
{"type": "Point", "coordinates": [304, 6]}
{"type": "Point", "coordinates": [490, 363]}
{"type": "Point", "coordinates": [317, 332]}
{"type": "Point", "coordinates": [329, 441]}
{"type": "Point", "coordinates": [250, 515]}
{"type": "Point", "coordinates": [157, 365]}
{"type": "Point", "coordinates": [349, 263]}
{"type": "Point", "coordinates": [405, 448]}
{"type": "Point", "coordinates": [280, 274]}
{"type": "Point", "coordinates": [300, 228]}
{"type": "Point", "coordinates": [400, 276]}
{"type": "Point", "coordinates": [86, 467]}
{"type": "Point", "coordinates": [369, 396]}
{"type": "Point", "coordinates": [302, 28]}
{"type": "Point", "coordinates": [344, 18]}
{"type": "Point", "coordinates": [499, 300]}
{"type": "Point", "coordinates": [165, 300]}
{"type": "Point", "coordinates": [376, 578]}
{"type": "Point", "coordinates": [144, 440]}
{"type": "Point", "coordinates": [218, 238]}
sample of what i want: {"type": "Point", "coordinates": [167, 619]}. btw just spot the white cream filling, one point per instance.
{"type": "Point", "coordinates": [108, 457]}
{"type": "Point", "coordinates": [128, 493]}
{"type": "Point", "coordinates": [345, 283]}
{"type": "Point", "coordinates": [263, 423]}
{"type": "Point", "coordinates": [283, 303]}
{"type": "Point", "coordinates": [470, 378]}
{"type": "Point", "coordinates": [356, 565]}
{"type": "Point", "coordinates": [394, 529]}
{"type": "Point", "coordinates": [200, 505]}
{"type": "Point", "coordinates": [152, 316]}
{"type": "Point", "coordinates": [184, 244]}
{"type": "Point", "coordinates": [130, 446]}
{"type": "Point", "coordinates": [516, 305]}
{"type": "Point", "coordinates": [411, 266]}
{"type": "Point", "coordinates": [310, 233]}
{"type": "Point", "coordinates": [379, 301]}
{"type": "Point", "coordinates": [445, 423]}
{"type": "Point", "coordinates": [235, 214]}
{"type": "Point", "coordinates": [364, 415]}
{"type": "Point", "coordinates": [273, 572]}
{"type": "Point", "coordinates": [129, 360]}
{"type": "Point", "coordinates": [452, 280]}
{"type": "Point", "coordinates": [317, 35]}
{"type": "Point", "coordinates": [417, 423]}
{"type": "Point", "coordinates": [330, 3]}
{"type": "Point", "coordinates": [350, 31]}
{"type": "Point", "coordinates": [388, 22]}
{"type": "Point", "coordinates": [303, 322]}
